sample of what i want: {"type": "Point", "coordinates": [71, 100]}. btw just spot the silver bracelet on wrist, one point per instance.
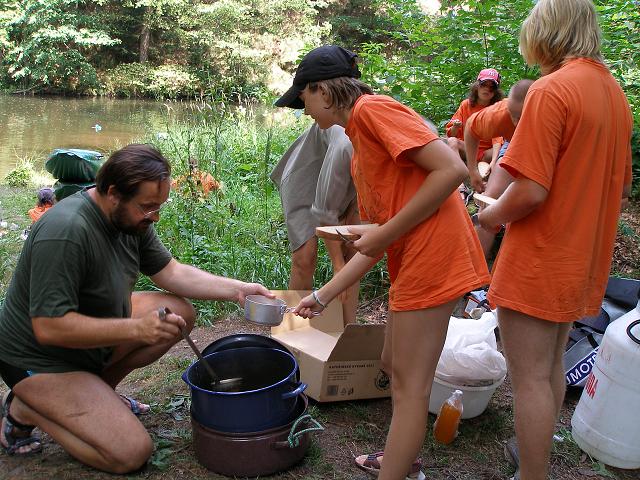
{"type": "Point", "coordinates": [314, 294]}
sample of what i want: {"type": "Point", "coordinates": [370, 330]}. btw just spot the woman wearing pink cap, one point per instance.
{"type": "Point", "coordinates": [484, 91]}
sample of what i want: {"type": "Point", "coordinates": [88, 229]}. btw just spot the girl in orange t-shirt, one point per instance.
{"type": "Point", "coordinates": [571, 159]}
{"type": "Point", "coordinates": [483, 92]}
{"type": "Point", "coordinates": [406, 180]}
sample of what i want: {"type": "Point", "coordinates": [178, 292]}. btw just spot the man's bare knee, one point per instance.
{"type": "Point", "coordinates": [304, 264]}
{"type": "Point", "coordinates": [305, 258]}
{"type": "Point", "coordinates": [130, 454]}
{"type": "Point", "coordinates": [186, 310]}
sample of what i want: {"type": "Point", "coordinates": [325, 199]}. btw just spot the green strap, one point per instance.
{"type": "Point", "coordinates": [294, 437]}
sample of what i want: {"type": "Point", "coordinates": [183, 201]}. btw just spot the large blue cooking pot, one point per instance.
{"type": "Point", "coordinates": [265, 397]}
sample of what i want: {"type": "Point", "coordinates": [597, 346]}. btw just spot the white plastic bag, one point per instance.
{"type": "Point", "coordinates": [470, 352]}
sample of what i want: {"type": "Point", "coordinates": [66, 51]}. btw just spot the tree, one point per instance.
{"type": "Point", "coordinates": [50, 43]}
{"type": "Point", "coordinates": [434, 59]}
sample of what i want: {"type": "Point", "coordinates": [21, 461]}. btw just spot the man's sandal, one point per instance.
{"type": "Point", "coordinates": [16, 434]}
{"type": "Point", "coordinates": [371, 464]}
{"type": "Point", "coordinates": [137, 408]}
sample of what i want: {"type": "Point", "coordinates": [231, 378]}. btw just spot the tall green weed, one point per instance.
{"type": "Point", "coordinates": [238, 230]}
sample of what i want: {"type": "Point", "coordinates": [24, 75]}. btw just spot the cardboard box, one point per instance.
{"type": "Point", "coordinates": [336, 363]}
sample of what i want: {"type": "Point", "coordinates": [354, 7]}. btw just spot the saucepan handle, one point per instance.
{"type": "Point", "coordinates": [294, 393]}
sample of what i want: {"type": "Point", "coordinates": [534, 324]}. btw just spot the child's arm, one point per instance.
{"type": "Point", "coordinates": [446, 172]}
{"type": "Point", "coordinates": [452, 128]}
{"type": "Point", "coordinates": [521, 198]}
{"type": "Point", "coordinates": [353, 271]}
{"type": "Point", "coordinates": [471, 143]}
{"type": "Point", "coordinates": [497, 145]}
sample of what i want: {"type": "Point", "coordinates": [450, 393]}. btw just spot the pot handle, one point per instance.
{"type": "Point", "coordinates": [293, 440]}
{"type": "Point", "coordinates": [294, 393]}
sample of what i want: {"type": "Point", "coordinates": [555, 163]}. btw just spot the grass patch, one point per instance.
{"type": "Point", "coordinates": [316, 461]}
{"type": "Point", "coordinates": [162, 379]}
{"type": "Point", "coordinates": [626, 230]}
{"type": "Point", "coordinates": [14, 205]}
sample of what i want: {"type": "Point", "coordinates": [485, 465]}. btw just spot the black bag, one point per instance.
{"type": "Point", "coordinates": [621, 295]}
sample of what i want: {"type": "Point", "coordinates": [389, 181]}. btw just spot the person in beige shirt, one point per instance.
{"type": "Point", "coordinates": [316, 189]}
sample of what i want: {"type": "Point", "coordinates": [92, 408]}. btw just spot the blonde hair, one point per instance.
{"type": "Point", "coordinates": [557, 30]}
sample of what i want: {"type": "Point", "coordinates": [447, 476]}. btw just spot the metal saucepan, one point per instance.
{"type": "Point", "coordinates": [226, 384]}
{"type": "Point", "coordinates": [268, 398]}
{"type": "Point", "coordinates": [256, 454]}
{"type": "Point", "coordinates": [266, 311]}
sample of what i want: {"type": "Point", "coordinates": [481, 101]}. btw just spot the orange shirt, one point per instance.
{"type": "Point", "coordinates": [203, 180]}
{"type": "Point", "coordinates": [574, 140]}
{"type": "Point", "coordinates": [438, 260]}
{"type": "Point", "coordinates": [464, 112]}
{"type": "Point", "coordinates": [36, 212]}
{"type": "Point", "coordinates": [492, 122]}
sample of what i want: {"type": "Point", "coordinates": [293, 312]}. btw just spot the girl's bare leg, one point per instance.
{"type": "Point", "coordinates": [417, 338]}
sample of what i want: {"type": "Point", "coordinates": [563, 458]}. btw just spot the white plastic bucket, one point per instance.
{"type": "Point", "coordinates": [474, 399]}
{"type": "Point", "coordinates": [606, 422]}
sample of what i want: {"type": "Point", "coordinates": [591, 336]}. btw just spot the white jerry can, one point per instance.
{"type": "Point", "coordinates": [606, 422]}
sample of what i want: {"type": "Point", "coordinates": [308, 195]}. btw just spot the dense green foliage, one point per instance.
{"type": "Point", "coordinates": [51, 45]}
{"type": "Point", "coordinates": [159, 48]}
{"type": "Point", "coordinates": [244, 48]}
{"type": "Point", "coordinates": [20, 176]}
{"type": "Point", "coordinates": [239, 230]}
{"type": "Point", "coordinates": [14, 204]}
{"type": "Point", "coordinates": [434, 59]}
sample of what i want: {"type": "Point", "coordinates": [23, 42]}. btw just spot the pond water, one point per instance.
{"type": "Point", "coordinates": [31, 127]}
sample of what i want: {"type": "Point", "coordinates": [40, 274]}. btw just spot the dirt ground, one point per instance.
{"type": "Point", "coordinates": [351, 428]}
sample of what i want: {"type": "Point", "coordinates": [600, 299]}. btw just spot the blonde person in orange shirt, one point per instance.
{"type": "Point", "coordinates": [406, 180]}
{"type": "Point", "coordinates": [498, 120]}
{"type": "Point", "coordinates": [483, 92]}
{"type": "Point", "coordinates": [571, 159]}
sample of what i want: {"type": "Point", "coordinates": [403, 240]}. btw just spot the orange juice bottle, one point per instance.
{"type": "Point", "coordinates": [445, 430]}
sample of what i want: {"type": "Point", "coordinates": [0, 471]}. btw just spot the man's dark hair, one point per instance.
{"type": "Point", "coordinates": [128, 167]}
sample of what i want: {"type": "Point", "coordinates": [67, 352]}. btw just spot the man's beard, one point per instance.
{"type": "Point", "coordinates": [121, 221]}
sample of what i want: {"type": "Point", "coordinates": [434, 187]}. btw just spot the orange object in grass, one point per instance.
{"type": "Point", "coordinates": [445, 429]}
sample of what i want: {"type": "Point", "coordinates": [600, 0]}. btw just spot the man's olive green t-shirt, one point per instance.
{"type": "Point", "coordinates": [74, 260]}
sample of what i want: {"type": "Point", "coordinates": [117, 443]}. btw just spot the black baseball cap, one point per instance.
{"type": "Point", "coordinates": [321, 63]}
